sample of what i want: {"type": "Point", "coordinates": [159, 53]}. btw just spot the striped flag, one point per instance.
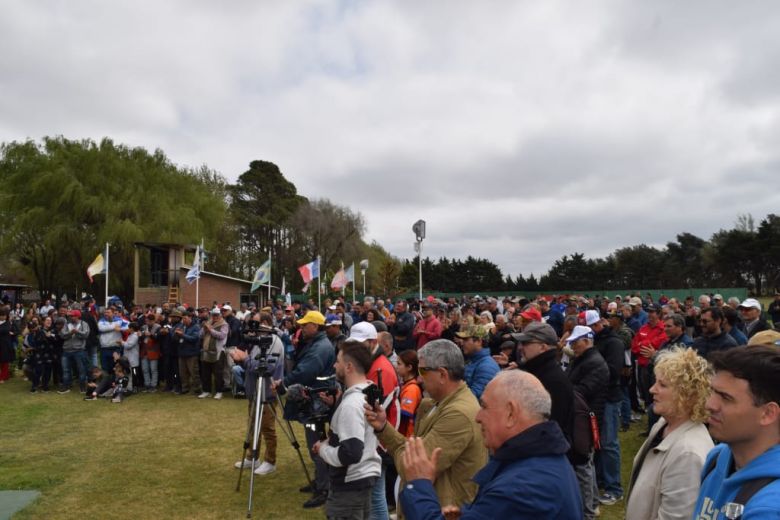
{"type": "Point", "coordinates": [194, 273]}
{"type": "Point", "coordinates": [309, 271]}
{"type": "Point", "coordinates": [340, 280]}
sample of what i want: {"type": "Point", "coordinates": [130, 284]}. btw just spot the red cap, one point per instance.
{"type": "Point", "coordinates": [75, 313]}
{"type": "Point", "coordinates": [532, 314]}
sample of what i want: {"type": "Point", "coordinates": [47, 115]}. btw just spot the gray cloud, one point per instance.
{"type": "Point", "coordinates": [519, 131]}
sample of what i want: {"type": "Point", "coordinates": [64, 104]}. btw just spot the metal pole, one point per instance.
{"type": "Point", "coordinates": [106, 276]}
{"type": "Point", "coordinates": [319, 284]}
{"type": "Point", "coordinates": [419, 263]}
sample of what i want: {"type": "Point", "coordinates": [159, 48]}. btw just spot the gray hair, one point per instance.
{"type": "Point", "coordinates": [704, 298]}
{"type": "Point", "coordinates": [678, 320]}
{"type": "Point", "coordinates": [527, 391]}
{"type": "Point", "coordinates": [446, 354]}
{"type": "Point", "coordinates": [500, 318]}
{"type": "Point", "coordinates": [369, 300]}
{"type": "Point", "coordinates": [733, 299]}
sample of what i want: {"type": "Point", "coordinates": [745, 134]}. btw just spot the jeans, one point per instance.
{"type": "Point", "coordinates": [107, 358]}
{"type": "Point", "coordinates": [586, 477]}
{"type": "Point", "coordinates": [608, 463]}
{"type": "Point", "coordinates": [379, 498]}
{"type": "Point", "coordinates": [82, 364]}
{"type": "Point", "coordinates": [149, 367]}
{"type": "Point", "coordinates": [321, 479]}
{"type": "Point", "coordinates": [41, 375]}
{"type": "Point", "coordinates": [238, 375]}
{"type": "Point", "coordinates": [625, 407]}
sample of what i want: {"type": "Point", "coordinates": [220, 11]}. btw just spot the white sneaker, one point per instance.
{"type": "Point", "coordinates": [246, 462]}
{"type": "Point", "coordinates": [218, 396]}
{"type": "Point", "coordinates": [204, 395]}
{"type": "Point", "coordinates": [265, 468]}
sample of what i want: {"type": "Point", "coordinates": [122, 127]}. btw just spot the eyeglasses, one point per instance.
{"type": "Point", "coordinates": [425, 370]}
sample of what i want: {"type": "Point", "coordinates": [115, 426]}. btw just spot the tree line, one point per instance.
{"type": "Point", "coordinates": [747, 255]}
{"type": "Point", "coordinates": [61, 200]}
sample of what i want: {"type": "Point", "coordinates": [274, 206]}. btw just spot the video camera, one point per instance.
{"type": "Point", "coordinates": [305, 404]}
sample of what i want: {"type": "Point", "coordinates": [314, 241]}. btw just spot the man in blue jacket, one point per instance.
{"type": "Point", "coordinates": [528, 475]}
{"type": "Point", "coordinates": [314, 357]}
{"type": "Point", "coordinates": [744, 412]}
{"type": "Point", "coordinates": [480, 365]}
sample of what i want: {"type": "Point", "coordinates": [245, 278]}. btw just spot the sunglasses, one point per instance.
{"type": "Point", "coordinates": [425, 370]}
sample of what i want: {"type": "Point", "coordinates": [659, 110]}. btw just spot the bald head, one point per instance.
{"type": "Point", "coordinates": [526, 390]}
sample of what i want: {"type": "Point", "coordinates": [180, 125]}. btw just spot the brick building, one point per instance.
{"type": "Point", "coordinates": [160, 275]}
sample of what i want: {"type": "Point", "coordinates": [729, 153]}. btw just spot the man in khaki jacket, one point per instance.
{"type": "Point", "coordinates": [446, 420]}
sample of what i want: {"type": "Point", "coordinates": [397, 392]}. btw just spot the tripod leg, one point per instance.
{"type": "Point", "coordinates": [255, 439]}
{"type": "Point", "coordinates": [247, 445]}
{"type": "Point", "coordinates": [290, 434]}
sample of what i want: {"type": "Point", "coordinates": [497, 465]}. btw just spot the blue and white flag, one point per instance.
{"type": "Point", "coordinates": [194, 273]}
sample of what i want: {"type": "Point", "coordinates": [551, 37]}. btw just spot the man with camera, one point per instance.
{"type": "Point", "coordinates": [350, 449]}
{"type": "Point", "coordinates": [314, 357]}
{"type": "Point", "coordinates": [261, 349]}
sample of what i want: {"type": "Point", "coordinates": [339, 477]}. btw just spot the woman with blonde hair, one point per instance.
{"type": "Point", "coordinates": [666, 474]}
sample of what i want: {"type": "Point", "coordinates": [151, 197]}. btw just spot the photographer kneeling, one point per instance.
{"type": "Point", "coordinates": [350, 450]}
{"type": "Point", "coordinates": [260, 346]}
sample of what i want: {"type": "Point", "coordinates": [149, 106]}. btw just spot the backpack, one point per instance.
{"type": "Point", "coordinates": [735, 508]}
{"type": "Point", "coordinates": [585, 428]}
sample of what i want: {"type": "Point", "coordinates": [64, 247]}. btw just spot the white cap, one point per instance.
{"type": "Point", "coordinates": [592, 317]}
{"type": "Point", "coordinates": [579, 332]}
{"type": "Point", "coordinates": [750, 303]}
{"type": "Point", "coordinates": [362, 331]}
{"type": "Point", "coordinates": [227, 308]}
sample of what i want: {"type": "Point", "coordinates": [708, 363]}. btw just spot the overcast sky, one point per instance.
{"type": "Point", "coordinates": [520, 131]}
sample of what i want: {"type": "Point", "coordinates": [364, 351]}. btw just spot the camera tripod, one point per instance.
{"type": "Point", "coordinates": [253, 428]}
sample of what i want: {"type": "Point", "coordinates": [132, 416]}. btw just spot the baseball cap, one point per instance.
{"type": "Point", "coordinates": [592, 317]}
{"type": "Point", "coordinates": [718, 297]}
{"type": "Point", "coordinates": [537, 331]}
{"type": "Point", "coordinates": [332, 319]}
{"type": "Point", "coordinates": [532, 314]}
{"type": "Point", "coordinates": [74, 313]}
{"type": "Point", "coordinates": [579, 332]}
{"type": "Point", "coordinates": [312, 317]}
{"type": "Point", "coordinates": [750, 303]}
{"type": "Point", "coordinates": [635, 300]}
{"type": "Point", "coordinates": [227, 308]}
{"type": "Point", "coordinates": [652, 308]}
{"type": "Point", "coordinates": [473, 331]}
{"type": "Point", "coordinates": [216, 310]}
{"type": "Point", "coordinates": [362, 331]}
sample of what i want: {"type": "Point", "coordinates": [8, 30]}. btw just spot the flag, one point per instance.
{"type": "Point", "coordinates": [310, 271]}
{"type": "Point", "coordinates": [305, 288]}
{"type": "Point", "coordinates": [350, 274]}
{"type": "Point", "coordinates": [262, 275]}
{"type": "Point", "coordinates": [288, 299]}
{"type": "Point", "coordinates": [284, 287]}
{"type": "Point", "coordinates": [340, 280]}
{"type": "Point", "coordinates": [194, 272]}
{"type": "Point", "coordinates": [98, 266]}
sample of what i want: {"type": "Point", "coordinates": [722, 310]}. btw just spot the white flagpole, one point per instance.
{"type": "Point", "coordinates": [106, 275]}
{"type": "Point", "coordinates": [319, 284]}
{"type": "Point", "coordinates": [353, 281]}
{"type": "Point", "coordinates": [269, 279]}
{"type": "Point", "coordinates": [198, 259]}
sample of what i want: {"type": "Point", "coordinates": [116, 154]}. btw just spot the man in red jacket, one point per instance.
{"type": "Point", "coordinates": [645, 344]}
{"type": "Point", "coordinates": [429, 328]}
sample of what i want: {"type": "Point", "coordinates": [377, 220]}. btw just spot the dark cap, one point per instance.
{"type": "Point", "coordinates": [537, 331]}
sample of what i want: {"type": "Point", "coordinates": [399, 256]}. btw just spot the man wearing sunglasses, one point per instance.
{"type": "Point", "coordinates": [446, 419]}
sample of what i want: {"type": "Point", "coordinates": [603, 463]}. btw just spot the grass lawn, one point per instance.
{"type": "Point", "coordinates": [153, 456]}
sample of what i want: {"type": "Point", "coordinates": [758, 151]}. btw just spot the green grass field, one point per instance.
{"type": "Point", "coordinates": [153, 456]}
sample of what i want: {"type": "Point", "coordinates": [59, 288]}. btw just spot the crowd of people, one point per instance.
{"type": "Point", "coordinates": [486, 406]}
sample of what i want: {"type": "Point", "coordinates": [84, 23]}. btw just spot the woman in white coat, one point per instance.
{"type": "Point", "coordinates": [667, 469]}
